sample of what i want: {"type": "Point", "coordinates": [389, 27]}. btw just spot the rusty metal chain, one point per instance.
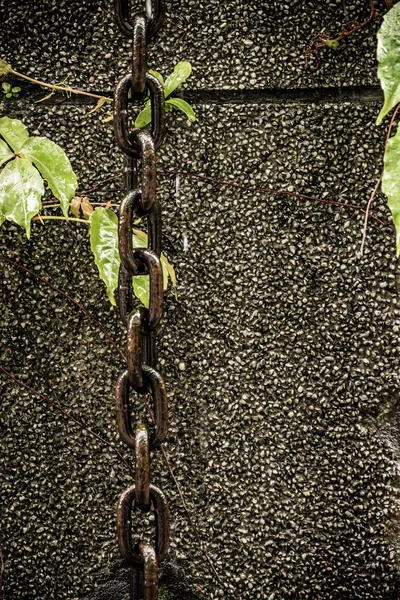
{"type": "Point", "coordinates": [141, 376]}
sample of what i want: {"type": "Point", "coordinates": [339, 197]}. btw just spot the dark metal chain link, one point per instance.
{"type": "Point", "coordinates": [141, 376]}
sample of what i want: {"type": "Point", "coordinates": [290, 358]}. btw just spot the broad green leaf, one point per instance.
{"type": "Point", "coordinates": [144, 117]}
{"type": "Point", "coordinates": [158, 76]}
{"type": "Point", "coordinates": [15, 90]}
{"type": "Point", "coordinates": [6, 86]}
{"type": "Point", "coordinates": [5, 152]}
{"type": "Point", "coordinates": [103, 232]}
{"type": "Point", "coordinates": [21, 189]}
{"type": "Point", "coordinates": [14, 132]}
{"type": "Point", "coordinates": [180, 73]}
{"type": "Point", "coordinates": [54, 166]}
{"type": "Point", "coordinates": [183, 106]}
{"type": "Point", "coordinates": [391, 182]}
{"type": "Point", "coordinates": [389, 60]}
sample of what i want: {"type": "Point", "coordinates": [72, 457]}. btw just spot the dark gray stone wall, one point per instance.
{"type": "Point", "coordinates": [281, 353]}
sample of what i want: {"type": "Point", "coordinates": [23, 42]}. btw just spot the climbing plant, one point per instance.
{"type": "Point", "coordinates": [388, 55]}
{"type": "Point", "coordinates": [389, 76]}
{"type": "Point", "coordinates": [26, 161]}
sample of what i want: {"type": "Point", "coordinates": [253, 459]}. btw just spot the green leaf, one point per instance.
{"type": "Point", "coordinates": [103, 232]}
{"type": "Point", "coordinates": [15, 90]}
{"type": "Point", "coordinates": [21, 189]}
{"type": "Point", "coordinates": [180, 73]}
{"type": "Point", "coordinates": [144, 117]}
{"type": "Point", "coordinates": [14, 132]}
{"type": "Point", "coordinates": [54, 166]}
{"type": "Point", "coordinates": [5, 152]}
{"type": "Point", "coordinates": [389, 60]}
{"type": "Point", "coordinates": [158, 76]}
{"type": "Point", "coordinates": [332, 44]}
{"type": "Point", "coordinates": [141, 288]}
{"type": "Point", "coordinates": [170, 272]}
{"type": "Point", "coordinates": [183, 106]}
{"type": "Point", "coordinates": [9, 95]}
{"type": "Point", "coordinates": [141, 285]}
{"type": "Point", "coordinates": [391, 182]}
{"type": "Point", "coordinates": [6, 86]}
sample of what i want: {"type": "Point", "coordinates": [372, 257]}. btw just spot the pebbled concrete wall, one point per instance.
{"type": "Point", "coordinates": [281, 353]}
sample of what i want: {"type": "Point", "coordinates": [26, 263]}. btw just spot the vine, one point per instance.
{"type": "Point", "coordinates": [322, 41]}
{"type": "Point", "coordinates": [27, 161]}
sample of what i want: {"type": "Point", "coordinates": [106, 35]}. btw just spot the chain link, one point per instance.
{"type": "Point", "coordinates": [141, 376]}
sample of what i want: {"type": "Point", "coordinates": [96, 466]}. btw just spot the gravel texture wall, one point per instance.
{"type": "Point", "coordinates": [281, 352]}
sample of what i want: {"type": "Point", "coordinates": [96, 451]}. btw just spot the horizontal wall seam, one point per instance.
{"type": "Point", "coordinates": [334, 95]}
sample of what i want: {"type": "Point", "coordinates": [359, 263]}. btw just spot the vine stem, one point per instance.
{"type": "Point", "coordinates": [277, 193]}
{"type": "Point", "coordinates": [57, 218]}
{"type": "Point", "coordinates": [185, 506]}
{"type": "Point", "coordinates": [318, 42]}
{"type": "Point", "coordinates": [192, 523]}
{"type": "Point", "coordinates": [371, 199]}
{"type": "Point", "coordinates": [68, 297]}
{"type": "Point", "coordinates": [68, 416]}
{"type": "Point", "coordinates": [165, 456]}
{"type": "Point", "coordinates": [60, 88]}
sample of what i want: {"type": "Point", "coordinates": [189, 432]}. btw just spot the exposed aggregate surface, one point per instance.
{"type": "Point", "coordinates": [280, 356]}
{"type": "Point", "coordinates": [281, 360]}
{"type": "Point", "coordinates": [231, 45]}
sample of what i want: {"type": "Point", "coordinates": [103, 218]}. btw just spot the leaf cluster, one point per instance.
{"type": "Point", "coordinates": [180, 73]}
{"type": "Point", "coordinates": [26, 162]}
{"type": "Point", "coordinates": [29, 160]}
{"type": "Point", "coordinates": [9, 91]}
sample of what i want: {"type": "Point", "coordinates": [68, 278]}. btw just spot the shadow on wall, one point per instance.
{"type": "Point", "coordinates": [173, 585]}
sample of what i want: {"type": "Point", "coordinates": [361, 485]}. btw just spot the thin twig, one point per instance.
{"type": "Point", "coordinates": [45, 205]}
{"type": "Point", "coordinates": [184, 504]}
{"type": "Point", "coordinates": [60, 88]}
{"type": "Point", "coordinates": [75, 302]}
{"type": "Point", "coordinates": [2, 569]}
{"type": "Point", "coordinates": [278, 193]}
{"type": "Point", "coordinates": [57, 218]}
{"type": "Point", "coordinates": [322, 41]}
{"type": "Point", "coordinates": [192, 523]}
{"type": "Point", "coordinates": [98, 185]}
{"type": "Point", "coordinates": [374, 191]}
{"type": "Point", "coordinates": [67, 415]}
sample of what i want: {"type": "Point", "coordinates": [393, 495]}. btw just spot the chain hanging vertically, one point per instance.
{"type": "Point", "coordinates": [141, 376]}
